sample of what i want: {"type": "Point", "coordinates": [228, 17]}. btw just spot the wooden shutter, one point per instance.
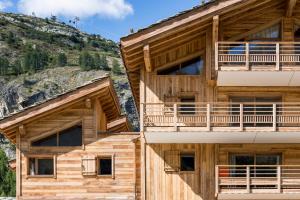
{"type": "Point", "coordinates": [89, 166]}
{"type": "Point", "coordinates": [171, 159]}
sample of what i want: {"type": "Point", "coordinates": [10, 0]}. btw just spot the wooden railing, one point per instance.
{"type": "Point", "coordinates": [237, 179]}
{"type": "Point", "coordinates": [237, 116]}
{"type": "Point", "coordinates": [257, 55]}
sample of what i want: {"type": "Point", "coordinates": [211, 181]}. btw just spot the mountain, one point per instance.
{"type": "Point", "coordinates": [41, 58]}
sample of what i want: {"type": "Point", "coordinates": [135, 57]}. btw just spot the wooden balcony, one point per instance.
{"type": "Point", "coordinates": [226, 119]}
{"type": "Point", "coordinates": [258, 63]}
{"type": "Point", "coordinates": [262, 182]}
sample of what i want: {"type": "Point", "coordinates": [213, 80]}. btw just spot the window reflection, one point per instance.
{"type": "Point", "coordinates": [191, 67]}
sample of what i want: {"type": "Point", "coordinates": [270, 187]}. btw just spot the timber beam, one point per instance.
{"type": "Point", "coordinates": [147, 58]}
{"type": "Point", "coordinates": [290, 7]}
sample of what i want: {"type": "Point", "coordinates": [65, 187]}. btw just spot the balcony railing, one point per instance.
{"type": "Point", "coordinates": [223, 116]}
{"type": "Point", "coordinates": [257, 55]}
{"type": "Point", "coordinates": [247, 179]}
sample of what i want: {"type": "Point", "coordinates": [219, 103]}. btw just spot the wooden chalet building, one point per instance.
{"type": "Point", "coordinates": [218, 89]}
{"type": "Point", "coordinates": [75, 146]}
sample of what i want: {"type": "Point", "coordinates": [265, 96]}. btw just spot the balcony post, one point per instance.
{"type": "Point", "coordinates": [208, 113]}
{"type": "Point", "coordinates": [279, 179]}
{"type": "Point", "coordinates": [175, 111]}
{"type": "Point", "coordinates": [277, 56]}
{"type": "Point", "coordinates": [247, 56]}
{"type": "Point", "coordinates": [216, 56]}
{"type": "Point", "coordinates": [274, 117]}
{"type": "Point", "coordinates": [217, 180]}
{"type": "Point", "coordinates": [241, 117]}
{"type": "Point", "coordinates": [248, 179]}
{"type": "Point", "coordinates": [142, 116]}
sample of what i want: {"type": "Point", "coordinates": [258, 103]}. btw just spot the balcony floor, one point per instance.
{"type": "Point", "coordinates": [222, 137]}
{"type": "Point", "coordinates": [258, 196]}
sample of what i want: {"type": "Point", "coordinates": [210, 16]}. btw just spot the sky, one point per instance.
{"type": "Point", "coordinates": [111, 19]}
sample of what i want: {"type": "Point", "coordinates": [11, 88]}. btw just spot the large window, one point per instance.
{"type": "Point", "coordinates": [41, 166]}
{"type": "Point", "coordinates": [191, 67]}
{"type": "Point", "coordinates": [66, 138]}
{"type": "Point", "coordinates": [271, 33]}
{"type": "Point", "coordinates": [267, 162]}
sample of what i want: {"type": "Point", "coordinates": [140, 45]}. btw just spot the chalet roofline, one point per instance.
{"type": "Point", "coordinates": [9, 123]}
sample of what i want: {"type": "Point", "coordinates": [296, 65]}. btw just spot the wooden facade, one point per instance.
{"type": "Point", "coordinates": [75, 168]}
{"type": "Point", "coordinates": [243, 100]}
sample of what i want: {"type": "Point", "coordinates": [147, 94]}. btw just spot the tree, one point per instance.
{"type": "Point", "coordinates": [104, 63]}
{"type": "Point", "coordinates": [116, 69]}
{"type": "Point", "coordinates": [7, 177]}
{"type": "Point", "coordinates": [35, 60]}
{"type": "Point", "coordinates": [16, 68]}
{"type": "Point", "coordinates": [10, 38]}
{"type": "Point", "coordinates": [62, 60]}
{"type": "Point", "coordinates": [4, 66]}
{"type": "Point", "coordinates": [86, 61]}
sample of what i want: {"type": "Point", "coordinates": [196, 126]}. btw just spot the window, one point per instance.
{"type": "Point", "coordinates": [187, 106]}
{"type": "Point", "coordinates": [297, 32]}
{"type": "Point", "coordinates": [41, 166]}
{"type": "Point", "coordinates": [254, 160]}
{"type": "Point", "coordinates": [187, 162]}
{"type": "Point", "coordinates": [191, 67]}
{"type": "Point", "coordinates": [66, 138]}
{"type": "Point", "coordinates": [272, 32]}
{"type": "Point", "coordinates": [105, 166]}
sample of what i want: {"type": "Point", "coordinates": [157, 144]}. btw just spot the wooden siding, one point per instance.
{"type": "Point", "coordinates": [166, 185]}
{"type": "Point", "coordinates": [69, 183]}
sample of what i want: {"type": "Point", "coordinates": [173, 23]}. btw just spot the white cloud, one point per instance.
{"type": "Point", "coordinates": [81, 8]}
{"type": "Point", "coordinates": [5, 4]}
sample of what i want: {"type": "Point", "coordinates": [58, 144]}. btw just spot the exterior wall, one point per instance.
{"type": "Point", "coordinates": [69, 183]}
{"type": "Point", "coordinates": [198, 185]}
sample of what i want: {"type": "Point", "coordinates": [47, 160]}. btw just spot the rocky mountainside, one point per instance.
{"type": "Point", "coordinates": [27, 79]}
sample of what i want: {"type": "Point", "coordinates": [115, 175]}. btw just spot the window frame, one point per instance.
{"type": "Point", "coordinates": [41, 156]}
{"type": "Point", "coordinates": [56, 132]}
{"type": "Point", "coordinates": [109, 156]}
{"type": "Point", "coordinates": [179, 66]}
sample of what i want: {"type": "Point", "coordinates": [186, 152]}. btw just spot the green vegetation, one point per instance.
{"type": "Point", "coordinates": [93, 62]}
{"type": "Point", "coordinates": [35, 60]}
{"type": "Point", "coordinates": [116, 69]}
{"type": "Point", "coordinates": [7, 177]}
{"type": "Point", "coordinates": [62, 60]}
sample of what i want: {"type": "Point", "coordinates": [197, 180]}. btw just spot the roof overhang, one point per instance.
{"type": "Point", "coordinates": [101, 89]}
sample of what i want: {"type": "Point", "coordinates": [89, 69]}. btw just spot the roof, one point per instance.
{"type": "Point", "coordinates": [102, 87]}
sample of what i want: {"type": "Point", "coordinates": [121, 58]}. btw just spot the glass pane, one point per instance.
{"type": "Point", "coordinates": [266, 160]}
{"type": "Point", "coordinates": [269, 33]}
{"type": "Point", "coordinates": [191, 67]}
{"type": "Point", "coordinates": [45, 166]}
{"type": "Point", "coordinates": [242, 160]}
{"type": "Point", "coordinates": [71, 136]}
{"type": "Point", "coordinates": [186, 108]}
{"type": "Point", "coordinates": [105, 166]}
{"type": "Point", "coordinates": [49, 141]}
{"type": "Point", "coordinates": [187, 162]}
{"type": "Point", "coordinates": [32, 168]}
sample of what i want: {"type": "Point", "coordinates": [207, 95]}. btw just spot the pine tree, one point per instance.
{"type": "Point", "coordinates": [104, 63]}
{"type": "Point", "coordinates": [16, 68]}
{"type": "Point", "coordinates": [62, 60]}
{"type": "Point", "coordinates": [4, 66]}
{"type": "Point", "coordinates": [86, 61]}
{"type": "Point", "coordinates": [116, 67]}
{"type": "Point", "coordinates": [10, 38]}
{"type": "Point", "coordinates": [7, 178]}
{"type": "Point", "coordinates": [35, 60]}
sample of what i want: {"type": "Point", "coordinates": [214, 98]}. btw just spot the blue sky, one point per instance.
{"type": "Point", "coordinates": [110, 18]}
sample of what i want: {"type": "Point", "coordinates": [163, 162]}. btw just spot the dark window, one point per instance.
{"type": "Point", "coordinates": [187, 162]}
{"type": "Point", "coordinates": [105, 166]}
{"type": "Point", "coordinates": [41, 166]}
{"type": "Point", "coordinates": [187, 106]}
{"type": "Point", "coordinates": [191, 67]}
{"type": "Point", "coordinates": [272, 32]}
{"type": "Point", "coordinates": [65, 138]}
{"type": "Point", "coordinates": [71, 137]}
{"type": "Point", "coordinates": [297, 32]}
{"type": "Point", "coordinates": [50, 141]}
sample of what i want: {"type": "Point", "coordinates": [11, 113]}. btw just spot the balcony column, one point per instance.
{"type": "Point", "coordinates": [274, 117]}
{"type": "Point", "coordinates": [247, 56]}
{"type": "Point", "coordinates": [208, 122]}
{"type": "Point", "coordinates": [277, 56]}
{"type": "Point", "coordinates": [175, 117]}
{"type": "Point", "coordinates": [279, 179]}
{"type": "Point", "coordinates": [241, 117]}
{"type": "Point", "coordinates": [248, 179]}
{"type": "Point", "coordinates": [217, 180]}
